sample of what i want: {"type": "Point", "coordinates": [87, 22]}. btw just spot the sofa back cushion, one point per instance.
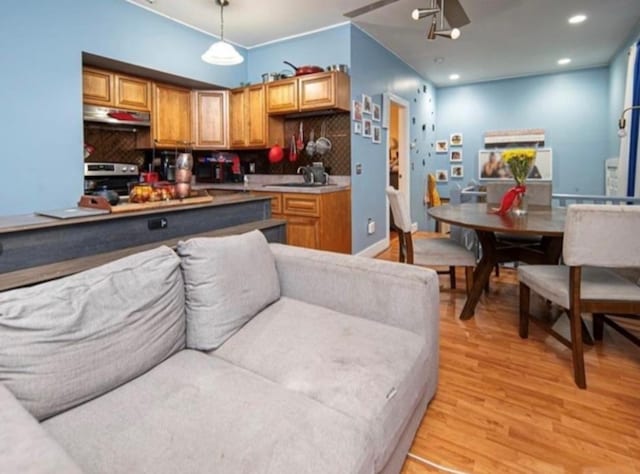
{"type": "Point", "coordinates": [73, 339]}
{"type": "Point", "coordinates": [228, 280]}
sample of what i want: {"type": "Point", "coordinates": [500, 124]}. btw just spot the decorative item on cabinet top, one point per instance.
{"type": "Point", "coordinates": [337, 161]}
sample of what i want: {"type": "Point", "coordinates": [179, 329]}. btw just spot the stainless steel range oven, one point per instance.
{"type": "Point", "coordinates": [113, 176]}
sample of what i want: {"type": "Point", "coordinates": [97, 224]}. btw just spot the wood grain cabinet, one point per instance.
{"type": "Point", "coordinates": [111, 89]}
{"type": "Point", "coordinates": [321, 91]}
{"type": "Point", "coordinates": [249, 124]}
{"type": "Point", "coordinates": [317, 221]}
{"type": "Point", "coordinates": [171, 116]}
{"type": "Point", "coordinates": [210, 124]}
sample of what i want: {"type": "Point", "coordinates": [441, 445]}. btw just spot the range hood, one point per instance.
{"type": "Point", "coordinates": [95, 113]}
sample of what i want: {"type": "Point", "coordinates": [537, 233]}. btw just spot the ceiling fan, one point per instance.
{"type": "Point", "coordinates": [453, 11]}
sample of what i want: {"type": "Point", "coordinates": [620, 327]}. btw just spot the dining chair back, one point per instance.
{"type": "Point", "coordinates": [428, 252]}
{"type": "Point", "coordinates": [538, 193]}
{"type": "Point", "coordinates": [597, 240]}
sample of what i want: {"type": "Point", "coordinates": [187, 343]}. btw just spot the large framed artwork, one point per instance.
{"type": "Point", "coordinates": [491, 167]}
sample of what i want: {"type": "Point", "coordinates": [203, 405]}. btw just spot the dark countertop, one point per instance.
{"type": "Point", "coordinates": [18, 223]}
{"type": "Point", "coordinates": [237, 187]}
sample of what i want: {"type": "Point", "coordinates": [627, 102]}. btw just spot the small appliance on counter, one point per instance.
{"type": "Point", "coordinates": [223, 167]}
{"type": "Point", "coordinates": [109, 177]}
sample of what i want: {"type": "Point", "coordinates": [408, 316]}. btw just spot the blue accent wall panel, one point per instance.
{"type": "Point", "coordinates": [572, 108]}
{"type": "Point", "coordinates": [326, 47]}
{"type": "Point", "coordinates": [41, 45]}
{"type": "Point", "coordinates": [375, 70]}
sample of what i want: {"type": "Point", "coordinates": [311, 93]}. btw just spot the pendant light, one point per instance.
{"type": "Point", "coordinates": [222, 53]}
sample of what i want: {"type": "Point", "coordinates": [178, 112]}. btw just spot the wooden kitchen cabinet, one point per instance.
{"type": "Point", "coordinates": [171, 116]}
{"type": "Point", "coordinates": [97, 87]}
{"type": "Point", "coordinates": [329, 90]}
{"type": "Point", "coordinates": [317, 221]}
{"type": "Point", "coordinates": [210, 119]}
{"type": "Point", "coordinates": [321, 91]}
{"type": "Point", "coordinates": [132, 93]}
{"type": "Point", "coordinates": [282, 96]}
{"type": "Point", "coordinates": [249, 124]}
{"type": "Point", "coordinates": [111, 89]}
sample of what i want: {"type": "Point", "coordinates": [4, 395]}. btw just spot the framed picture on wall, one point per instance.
{"type": "Point", "coordinates": [457, 171]}
{"type": "Point", "coordinates": [492, 167]}
{"type": "Point", "coordinates": [377, 134]}
{"type": "Point", "coordinates": [377, 114]}
{"type": "Point", "coordinates": [455, 156]}
{"type": "Point", "coordinates": [442, 176]}
{"type": "Point", "coordinates": [357, 128]}
{"type": "Point", "coordinates": [456, 139]}
{"type": "Point", "coordinates": [442, 146]}
{"type": "Point", "coordinates": [366, 104]}
{"type": "Point", "coordinates": [356, 110]}
{"type": "Point", "coordinates": [366, 128]}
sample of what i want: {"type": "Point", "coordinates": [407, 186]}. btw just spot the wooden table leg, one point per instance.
{"type": "Point", "coordinates": [482, 272]}
{"type": "Point", "coordinates": [552, 248]}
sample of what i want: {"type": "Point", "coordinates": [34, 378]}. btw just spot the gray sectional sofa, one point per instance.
{"type": "Point", "coordinates": [228, 355]}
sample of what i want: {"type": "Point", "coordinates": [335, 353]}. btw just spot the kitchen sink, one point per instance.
{"type": "Point", "coordinates": [298, 185]}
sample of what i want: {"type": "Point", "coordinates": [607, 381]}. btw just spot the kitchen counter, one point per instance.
{"type": "Point", "coordinates": [31, 240]}
{"type": "Point", "coordinates": [267, 183]}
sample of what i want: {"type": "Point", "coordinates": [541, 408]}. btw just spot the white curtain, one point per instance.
{"type": "Point", "coordinates": [623, 163]}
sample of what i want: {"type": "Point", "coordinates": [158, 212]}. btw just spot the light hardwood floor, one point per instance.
{"type": "Point", "coordinates": [507, 405]}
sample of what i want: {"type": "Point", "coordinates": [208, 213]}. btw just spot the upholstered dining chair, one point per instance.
{"type": "Point", "coordinates": [428, 252]}
{"type": "Point", "coordinates": [597, 239]}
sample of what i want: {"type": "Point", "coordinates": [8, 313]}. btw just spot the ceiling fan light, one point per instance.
{"type": "Point", "coordinates": [431, 35]}
{"type": "Point", "coordinates": [420, 13]}
{"type": "Point", "coordinates": [451, 34]}
{"type": "Point", "coordinates": [222, 53]}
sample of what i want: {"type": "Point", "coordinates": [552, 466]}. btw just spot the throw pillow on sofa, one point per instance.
{"type": "Point", "coordinates": [70, 340]}
{"type": "Point", "coordinates": [228, 280]}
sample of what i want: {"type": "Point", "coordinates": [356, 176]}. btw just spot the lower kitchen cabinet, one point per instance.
{"type": "Point", "coordinates": [317, 221]}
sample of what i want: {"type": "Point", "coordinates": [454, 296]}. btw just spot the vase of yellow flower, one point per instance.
{"type": "Point", "coordinates": [520, 161]}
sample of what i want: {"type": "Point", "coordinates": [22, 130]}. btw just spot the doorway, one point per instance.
{"type": "Point", "coordinates": [398, 162]}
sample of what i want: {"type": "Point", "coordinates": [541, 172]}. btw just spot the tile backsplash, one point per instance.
{"type": "Point", "coordinates": [114, 145]}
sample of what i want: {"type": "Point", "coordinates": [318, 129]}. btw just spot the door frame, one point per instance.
{"type": "Point", "coordinates": [404, 150]}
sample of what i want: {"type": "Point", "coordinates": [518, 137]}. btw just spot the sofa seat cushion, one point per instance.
{"type": "Point", "coordinates": [199, 414]}
{"type": "Point", "coordinates": [227, 281]}
{"type": "Point", "coordinates": [370, 371]}
{"type": "Point", "coordinates": [73, 339]}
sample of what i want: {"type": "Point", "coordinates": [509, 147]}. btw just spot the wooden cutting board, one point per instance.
{"type": "Point", "coordinates": [101, 203]}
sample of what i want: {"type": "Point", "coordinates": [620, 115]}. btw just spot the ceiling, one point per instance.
{"type": "Point", "coordinates": [506, 38]}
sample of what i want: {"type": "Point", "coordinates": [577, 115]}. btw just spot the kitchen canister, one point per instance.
{"type": "Point", "coordinates": [184, 166]}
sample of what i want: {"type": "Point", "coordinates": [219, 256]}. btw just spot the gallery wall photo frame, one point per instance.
{"type": "Point", "coordinates": [376, 134]}
{"type": "Point", "coordinates": [376, 114]}
{"type": "Point", "coordinates": [367, 104]}
{"type": "Point", "coordinates": [456, 139]}
{"type": "Point", "coordinates": [442, 146]}
{"type": "Point", "coordinates": [367, 128]}
{"type": "Point", "coordinates": [491, 167]}
{"type": "Point", "coordinates": [455, 156]}
{"type": "Point", "coordinates": [442, 176]}
{"type": "Point", "coordinates": [356, 110]}
{"type": "Point", "coordinates": [357, 128]}
{"type": "Point", "coordinates": [457, 172]}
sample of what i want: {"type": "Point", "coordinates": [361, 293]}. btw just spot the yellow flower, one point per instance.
{"type": "Point", "coordinates": [519, 161]}
{"type": "Point", "coordinates": [528, 154]}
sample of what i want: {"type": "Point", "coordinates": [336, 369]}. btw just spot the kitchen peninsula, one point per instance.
{"type": "Point", "coordinates": [63, 246]}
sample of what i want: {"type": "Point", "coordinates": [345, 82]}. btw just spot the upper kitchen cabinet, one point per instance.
{"type": "Point", "coordinates": [210, 119]}
{"type": "Point", "coordinates": [250, 127]}
{"type": "Point", "coordinates": [282, 96]}
{"type": "Point", "coordinates": [115, 90]}
{"type": "Point", "coordinates": [171, 115]}
{"type": "Point", "coordinates": [322, 91]}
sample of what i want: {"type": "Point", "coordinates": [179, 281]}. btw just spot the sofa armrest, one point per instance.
{"type": "Point", "coordinates": [400, 295]}
{"type": "Point", "coordinates": [25, 447]}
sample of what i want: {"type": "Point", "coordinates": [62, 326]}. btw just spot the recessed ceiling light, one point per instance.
{"type": "Point", "coordinates": [576, 19]}
{"type": "Point", "coordinates": [454, 77]}
{"type": "Point", "coordinates": [438, 60]}
{"type": "Point", "coordinates": [564, 61]}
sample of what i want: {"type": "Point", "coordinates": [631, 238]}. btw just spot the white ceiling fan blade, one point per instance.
{"type": "Point", "coordinates": [368, 8]}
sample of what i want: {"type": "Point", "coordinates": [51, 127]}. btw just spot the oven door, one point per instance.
{"type": "Point", "coordinates": [119, 184]}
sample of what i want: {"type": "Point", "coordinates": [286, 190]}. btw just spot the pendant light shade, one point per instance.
{"type": "Point", "coordinates": [222, 53]}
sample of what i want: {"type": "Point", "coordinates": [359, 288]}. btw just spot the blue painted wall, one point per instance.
{"type": "Point", "coordinates": [572, 108]}
{"type": "Point", "coordinates": [326, 47]}
{"type": "Point", "coordinates": [41, 85]}
{"type": "Point", "coordinates": [375, 70]}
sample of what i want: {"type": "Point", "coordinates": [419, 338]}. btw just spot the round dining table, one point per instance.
{"type": "Point", "coordinates": [544, 222]}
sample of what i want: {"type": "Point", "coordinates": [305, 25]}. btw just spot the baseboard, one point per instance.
{"type": "Point", "coordinates": [375, 249]}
